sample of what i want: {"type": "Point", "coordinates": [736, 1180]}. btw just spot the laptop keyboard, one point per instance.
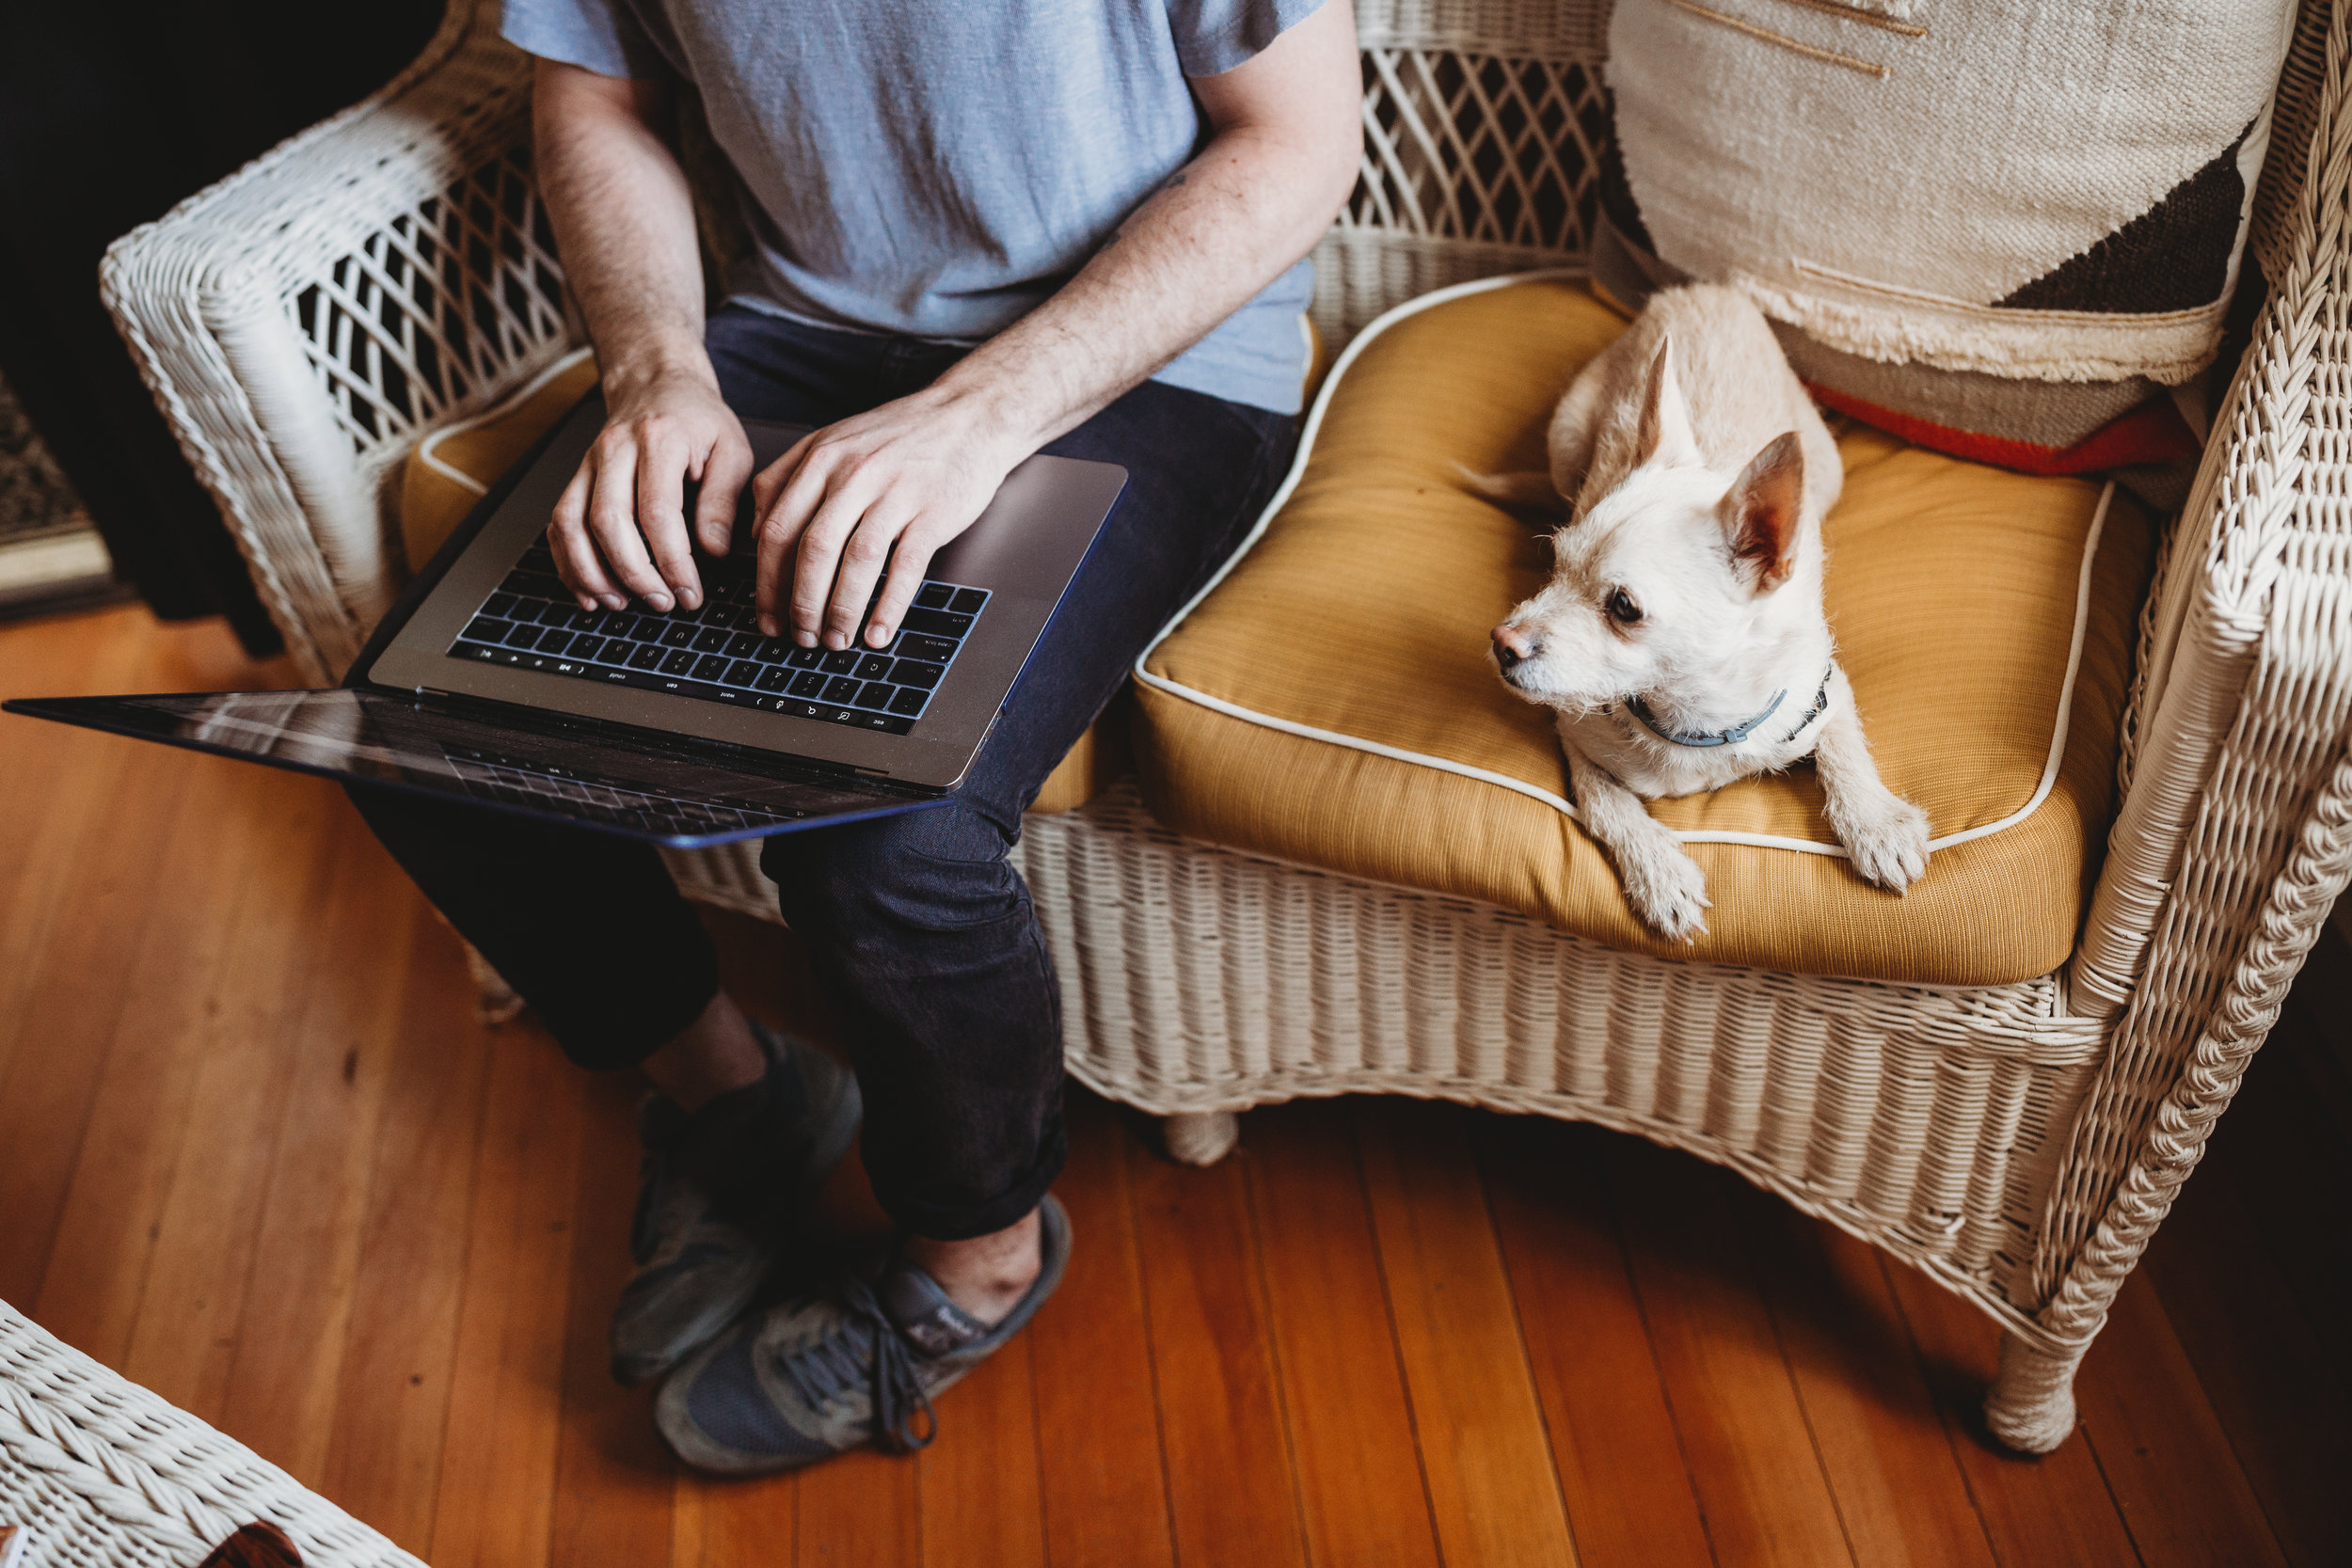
{"type": "Point", "coordinates": [716, 653]}
{"type": "Point", "coordinates": [517, 783]}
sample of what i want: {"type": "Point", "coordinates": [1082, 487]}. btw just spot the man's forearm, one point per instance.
{"type": "Point", "coordinates": [624, 220]}
{"type": "Point", "coordinates": [1230, 223]}
{"type": "Point", "coordinates": [625, 223]}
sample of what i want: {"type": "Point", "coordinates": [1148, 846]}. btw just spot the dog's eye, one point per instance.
{"type": "Point", "coordinates": [1622, 609]}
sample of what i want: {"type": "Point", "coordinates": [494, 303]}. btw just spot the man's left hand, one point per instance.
{"type": "Point", "coordinates": [884, 489]}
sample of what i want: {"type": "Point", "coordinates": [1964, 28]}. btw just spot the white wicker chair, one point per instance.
{"type": "Point", "coordinates": [102, 1474]}
{"type": "Point", "coordinates": [306, 322]}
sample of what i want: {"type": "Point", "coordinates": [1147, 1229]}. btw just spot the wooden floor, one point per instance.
{"type": "Point", "coordinates": [256, 1153]}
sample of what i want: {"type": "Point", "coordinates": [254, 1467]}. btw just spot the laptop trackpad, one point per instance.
{"type": "Point", "coordinates": [588, 779]}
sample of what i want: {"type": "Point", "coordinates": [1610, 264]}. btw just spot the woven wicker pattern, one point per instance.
{"type": "Point", "coordinates": [438, 303]}
{"type": "Point", "coordinates": [2294, 119]}
{"type": "Point", "coordinates": [1529, 29]}
{"type": "Point", "coordinates": [106, 1475]}
{"type": "Point", "coordinates": [1479, 146]}
{"type": "Point", "coordinates": [1924, 1120]}
{"type": "Point", "coordinates": [2022, 1143]}
{"type": "Point", "coordinates": [1480, 157]}
{"type": "Point", "coordinates": [2236, 838]}
{"type": "Point", "coordinates": [379, 258]}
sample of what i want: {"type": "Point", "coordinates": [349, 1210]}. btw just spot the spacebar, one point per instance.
{"type": "Point", "coordinates": [653, 680]}
{"type": "Point", "coordinates": [648, 680]}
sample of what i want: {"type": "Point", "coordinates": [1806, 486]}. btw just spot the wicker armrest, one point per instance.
{"type": "Point", "coordinates": [305, 321]}
{"type": "Point", "coordinates": [2234, 834]}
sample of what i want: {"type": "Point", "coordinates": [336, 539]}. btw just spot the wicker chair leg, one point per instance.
{"type": "Point", "coordinates": [1201, 1137]}
{"type": "Point", "coordinates": [2031, 1404]}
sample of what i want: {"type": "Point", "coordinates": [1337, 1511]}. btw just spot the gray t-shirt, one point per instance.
{"type": "Point", "coordinates": [936, 169]}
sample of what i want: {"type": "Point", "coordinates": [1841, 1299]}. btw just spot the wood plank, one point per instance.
{"type": "Point", "coordinates": [148, 1059]}
{"type": "Point", "coordinates": [1360, 1481]}
{"type": "Point", "coordinates": [1751, 1454]}
{"type": "Point", "coordinates": [345, 1015]}
{"type": "Point", "coordinates": [1494, 1489]}
{"type": "Point", "coordinates": [861, 1510]}
{"type": "Point", "coordinates": [177, 1006]}
{"type": "Point", "coordinates": [494, 1500]}
{"type": "Point", "coordinates": [80, 906]}
{"type": "Point", "coordinates": [80, 892]}
{"type": "Point", "coordinates": [1629, 1493]}
{"type": "Point", "coordinates": [184, 1342]}
{"type": "Point", "coordinates": [1231, 1492]}
{"type": "Point", "coordinates": [2166, 1460]}
{"type": "Point", "coordinates": [1102, 1476]}
{"type": "Point", "coordinates": [734, 1523]}
{"type": "Point", "coordinates": [2051, 1511]}
{"type": "Point", "coordinates": [1899, 1489]}
{"type": "Point", "coordinates": [982, 1500]}
{"type": "Point", "coordinates": [70, 655]}
{"type": "Point", "coordinates": [2258, 1357]}
{"type": "Point", "coordinates": [391, 1405]}
{"type": "Point", "coordinates": [65, 656]}
{"type": "Point", "coordinates": [614, 1481]}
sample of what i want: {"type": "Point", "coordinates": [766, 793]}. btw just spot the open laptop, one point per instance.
{"type": "Point", "coordinates": [486, 682]}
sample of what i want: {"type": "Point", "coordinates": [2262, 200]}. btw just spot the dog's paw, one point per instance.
{"type": "Point", "coordinates": [1890, 846]}
{"type": "Point", "coordinates": [1668, 891]}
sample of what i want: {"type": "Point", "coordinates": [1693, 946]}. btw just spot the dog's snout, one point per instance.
{"type": "Point", "coordinates": [1513, 644]}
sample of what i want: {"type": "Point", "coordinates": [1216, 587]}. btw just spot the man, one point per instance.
{"type": "Point", "coordinates": [977, 232]}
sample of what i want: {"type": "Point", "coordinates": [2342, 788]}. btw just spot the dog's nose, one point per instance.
{"type": "Point", "coordinates": [1513, 644]}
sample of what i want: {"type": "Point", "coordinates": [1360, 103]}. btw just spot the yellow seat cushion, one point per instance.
{"type": "Point", "coordinates": [1331, 702]}
{"type": "Point", "coordinates": [452, 469]}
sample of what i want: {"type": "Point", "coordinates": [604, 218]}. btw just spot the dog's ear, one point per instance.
{"type": "Point", "coordinates": [1759, 512]}
{"type": "Point", "coordinates": [1664, 433]}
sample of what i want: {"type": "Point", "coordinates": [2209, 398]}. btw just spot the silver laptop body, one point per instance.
{"type": "Point", "coordinates": [487, 684]}
{"type": "Point", "coordinates": [1022, 554]}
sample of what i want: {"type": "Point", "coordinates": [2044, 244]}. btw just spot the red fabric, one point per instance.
{"type": "Point", "coordinates": [261, 1544]}
{"type": "Point", "coordinates": [2151, 433]}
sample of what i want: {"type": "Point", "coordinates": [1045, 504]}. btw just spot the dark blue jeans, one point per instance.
{"type": "Point", "coordinates": [918, 927]}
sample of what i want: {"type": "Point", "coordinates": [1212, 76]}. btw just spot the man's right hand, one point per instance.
{"type": "Point", "coordinates": [620, 527]}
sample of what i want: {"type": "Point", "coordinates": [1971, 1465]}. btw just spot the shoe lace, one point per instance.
{"type": "Point", "coordinates": [867, 1345]}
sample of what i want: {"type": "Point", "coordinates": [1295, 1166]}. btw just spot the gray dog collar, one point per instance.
{"type": "Point", "coordinates": [1739, 732]}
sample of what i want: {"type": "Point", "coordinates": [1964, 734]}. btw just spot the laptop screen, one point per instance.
{"type": "Point", "coordinates": [595, 779]}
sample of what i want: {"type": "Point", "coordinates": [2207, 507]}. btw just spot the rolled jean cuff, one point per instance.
{"type": "Point", "coordinates": [961, 1222]}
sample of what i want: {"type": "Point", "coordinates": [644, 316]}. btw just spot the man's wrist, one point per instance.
{"type": "Point", "coordinates": [994, 408]}
{"type": "Point", "coordinates": [642, 367]}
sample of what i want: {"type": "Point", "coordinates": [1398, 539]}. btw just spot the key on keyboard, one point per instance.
{"type": "Point", "coordinates": [714, 652]}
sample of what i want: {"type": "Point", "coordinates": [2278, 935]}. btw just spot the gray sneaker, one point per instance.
{"type": "Point", "coordinates": [720, 1190]}
{"type": "Point", "coordinates": [856, 1362]}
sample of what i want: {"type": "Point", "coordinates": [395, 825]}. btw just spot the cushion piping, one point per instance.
{"type": "Point", "coordinates": [2052, 761]}
{"type": "Point", "coordinates": [428, 452]}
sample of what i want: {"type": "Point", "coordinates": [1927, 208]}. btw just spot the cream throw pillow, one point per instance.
{"type": "Point", "coordinates": [2015, 220]}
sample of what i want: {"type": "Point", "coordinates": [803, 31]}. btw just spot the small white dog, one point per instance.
{"type": "Point", "coordinates": [1681, 638]}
